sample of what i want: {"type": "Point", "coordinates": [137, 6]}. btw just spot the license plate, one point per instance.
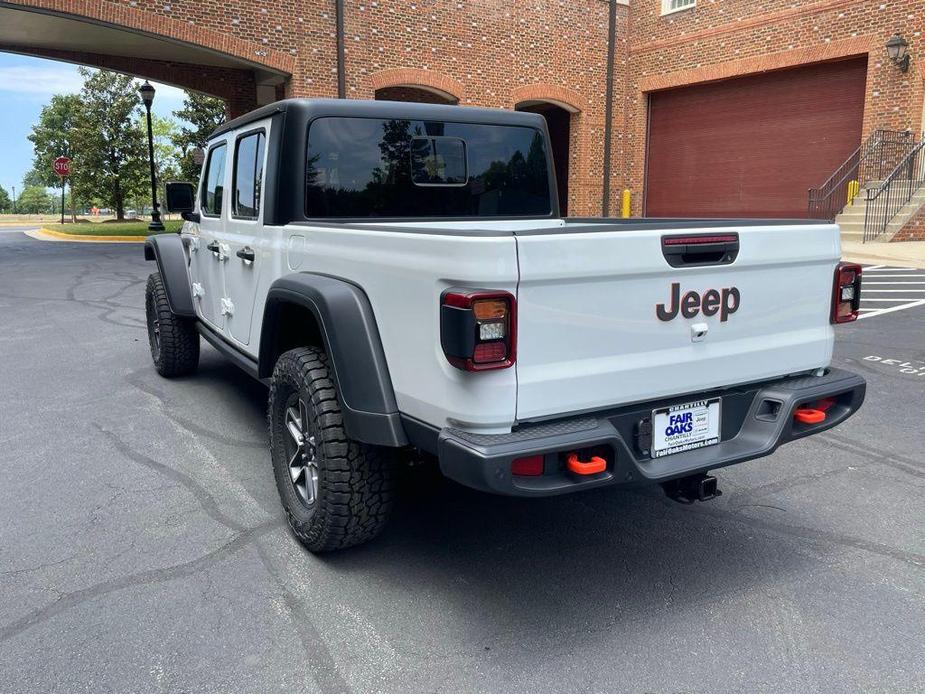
{"type": "Point", "coordinates": [685, 427]}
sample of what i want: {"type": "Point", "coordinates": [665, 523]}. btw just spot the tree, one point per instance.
{"type": "Point", "coordinates": [203, 115]}
{"type": "Point", "coordinates": [5, 203]}
{"type": "Point", "coordinates": [110, 152]}
{"type": "Point", "coordinates": [34, 177]}
{"type": "Point", "coordinates": [51, 137]}
{"type": "Point", "coordinates": [166, 159]}
{"type": "Point", "coordinates": [33, 200]}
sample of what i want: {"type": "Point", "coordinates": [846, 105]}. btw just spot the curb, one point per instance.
{"type": "Point", "coordinates": [883, 260]}
{"type": "Point", "coordinates": [49, 235]}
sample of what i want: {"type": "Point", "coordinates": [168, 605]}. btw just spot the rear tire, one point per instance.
{"type": "Point", "coordinates": [173, 339]}
{"type": "Point", "coordinates": [337, 492]}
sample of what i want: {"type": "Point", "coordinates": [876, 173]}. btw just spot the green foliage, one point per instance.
{"type": "Point", "coordinates": [112, 228]}
{"type": "Point", "coordinates": [34, 178]}
{"type": "Point", "coordinates": [34, 200]}
{"type": "Point", "coordinates": [166, 160]}
{"type": "Point", "coordinates": [6, 204]}
{"type": "Point", "coordinates": [110, 152]}
{"type": "Point", "coordinates": [203, 114]}
{"type": "Point", "coordinates": [51, 138]}
{"type": "Point", "coordinates": [104, 131]}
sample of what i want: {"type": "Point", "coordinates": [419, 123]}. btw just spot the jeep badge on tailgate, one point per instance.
{"type": "Point", "coordinates": [723, 301]}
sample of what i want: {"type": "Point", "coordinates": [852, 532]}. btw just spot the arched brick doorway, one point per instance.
{"type": "Point", "coordinates": [421, 95]}
{"type": "Point", "coordinates": [559, 122]}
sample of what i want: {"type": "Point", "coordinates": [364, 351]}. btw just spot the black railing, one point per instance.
{"type": "Point", "coordinates": [883, 150]}
{"type": "Point", "coordinates": [886, 200]}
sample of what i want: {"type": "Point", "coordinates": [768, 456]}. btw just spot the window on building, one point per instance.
{"type": "Point", "coordinates": [214, 182]}
{"type": "Point", "coordinates": [248, 175]}
{"type": "Point", "coordinates": [370, 167]}
{"type": "Point", "coordinates": [669, 6]}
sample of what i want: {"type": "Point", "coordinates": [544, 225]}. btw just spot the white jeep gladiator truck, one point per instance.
{"type": "Point", "coordinates": [400, 276]}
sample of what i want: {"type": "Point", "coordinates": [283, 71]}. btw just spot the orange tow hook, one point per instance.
{"type": "Point", "coordinates": [807, 415]}
{"type": "Point", "coordinates": [585, 467]}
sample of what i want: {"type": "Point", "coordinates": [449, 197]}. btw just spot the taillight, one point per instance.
{"type": "Point", "coordinates": [478, 328]}
{"type": "Point", "coordinates": [846, 293]}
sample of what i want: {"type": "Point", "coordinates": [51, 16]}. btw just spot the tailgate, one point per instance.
{"type": "Point", "coordinates": [590, 337]}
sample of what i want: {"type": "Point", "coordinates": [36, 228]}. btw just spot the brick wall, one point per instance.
{"type": "Point", "coordinates": [726, 38]}
{"type": "Point", "coordinates": [914, 229]}
{"type": "Point", "coordinates": [493, 53]}
{"type": "Point", "coordinates": [499, 53]}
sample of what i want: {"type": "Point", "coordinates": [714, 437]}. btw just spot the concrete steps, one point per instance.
{"type": "Point", "coordinates": [851, 219]}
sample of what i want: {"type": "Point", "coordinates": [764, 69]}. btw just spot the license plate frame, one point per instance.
{"type": "Point", "coordinates": [705, 420]}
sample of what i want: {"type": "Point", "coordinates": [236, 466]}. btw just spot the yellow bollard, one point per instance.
{"type": "Point", "coordinates": [625, 203]}
{"type": "Point", "coordinates": [853, 189]}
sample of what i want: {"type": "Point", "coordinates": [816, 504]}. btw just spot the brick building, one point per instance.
{"type": "Point", "coordinates": [698, 107]}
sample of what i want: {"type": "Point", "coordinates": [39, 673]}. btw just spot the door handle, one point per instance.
{"type": "Point", "coordinates": [213, 246]}
{"type": "Point", "coordinates": [246, 253]}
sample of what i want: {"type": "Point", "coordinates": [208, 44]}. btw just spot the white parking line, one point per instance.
{"type": "Point", "coordinates": [883, 277]}
{"type": "Point", "coordinates": [876, 301]}
{"type": "Point", "coordinates": [891, 309]}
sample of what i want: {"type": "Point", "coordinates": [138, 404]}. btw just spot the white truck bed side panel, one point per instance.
{"type": "Point", "coordinates": [403, 275]}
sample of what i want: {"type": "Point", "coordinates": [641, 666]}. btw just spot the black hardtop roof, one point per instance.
{"type": "Point", "coordinates": [307, 109]}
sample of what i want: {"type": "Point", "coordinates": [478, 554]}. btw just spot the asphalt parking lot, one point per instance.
{"type": "Point", "coordinates": [142, 546]}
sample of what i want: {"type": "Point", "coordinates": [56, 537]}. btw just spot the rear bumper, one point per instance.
{"type": "Point", "coordinates": [756, 420]}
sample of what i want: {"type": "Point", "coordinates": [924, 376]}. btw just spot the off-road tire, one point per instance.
{"type": "Point", "coordinates": [173, 339]}
{"type": "Point", "coordinates": [354, 491]}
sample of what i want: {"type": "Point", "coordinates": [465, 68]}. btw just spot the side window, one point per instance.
{"type": "Point", "coordinates": [248, 175]}
{"type": "Point", "coordinates": [214, 182]}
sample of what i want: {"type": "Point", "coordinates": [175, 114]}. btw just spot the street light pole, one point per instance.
{"type": "Point", "coordinates": [147, 96]}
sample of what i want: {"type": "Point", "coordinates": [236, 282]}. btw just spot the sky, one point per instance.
{"type": "Point", "coordinates": [27, 84]}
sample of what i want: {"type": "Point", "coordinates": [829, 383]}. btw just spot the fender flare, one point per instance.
{"type": "Point", "coordinates": [351, 339]}
{"type": "Point", "coordinates": [167, 251]}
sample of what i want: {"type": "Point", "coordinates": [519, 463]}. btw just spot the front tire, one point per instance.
{"type": "Point", "coordinates": [337, 492]}
{"type": "Point", "coordinates": [173, 339]}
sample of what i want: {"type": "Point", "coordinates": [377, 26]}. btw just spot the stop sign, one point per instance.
{"type": "Point", "coordinates": [62, 166]}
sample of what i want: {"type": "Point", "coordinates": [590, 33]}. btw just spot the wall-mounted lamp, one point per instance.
{"type": "Point", "coordinates": [898, 50]}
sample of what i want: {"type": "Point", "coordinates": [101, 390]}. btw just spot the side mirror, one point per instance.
{"type": "Point", "coordinates": [181, 197]}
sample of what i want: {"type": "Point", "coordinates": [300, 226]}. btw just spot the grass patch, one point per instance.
{"type": "Point", "coordinates": [111, 228]}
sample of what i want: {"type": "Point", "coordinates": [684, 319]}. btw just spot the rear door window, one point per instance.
{"type": "Point", "coordinates": [214, 181]}
{"type": "Point", "coordinates": [370, 167]}
{"type": "Point", "coordinates": [248, 175]}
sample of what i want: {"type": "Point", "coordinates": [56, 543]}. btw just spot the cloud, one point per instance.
{"type": "Point", "coordinates": [29, 79]}
{"type": "Point", "coordinates": [45, 80]}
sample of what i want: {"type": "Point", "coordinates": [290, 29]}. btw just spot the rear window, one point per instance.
{"type": "Point", "coordinates": [368, 167]}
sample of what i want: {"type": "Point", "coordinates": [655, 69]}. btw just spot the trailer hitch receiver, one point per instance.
{"type": "Point", "coordinates": [687, 490]}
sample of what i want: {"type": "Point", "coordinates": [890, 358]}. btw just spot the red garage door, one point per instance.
{"type": "Point", "coordinates": [751, 147]}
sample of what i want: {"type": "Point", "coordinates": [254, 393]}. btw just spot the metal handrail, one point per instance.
{"type": "Point", "coordinates": [880, 152]}
{"type": "Point", "coordinates": [886, 200]}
